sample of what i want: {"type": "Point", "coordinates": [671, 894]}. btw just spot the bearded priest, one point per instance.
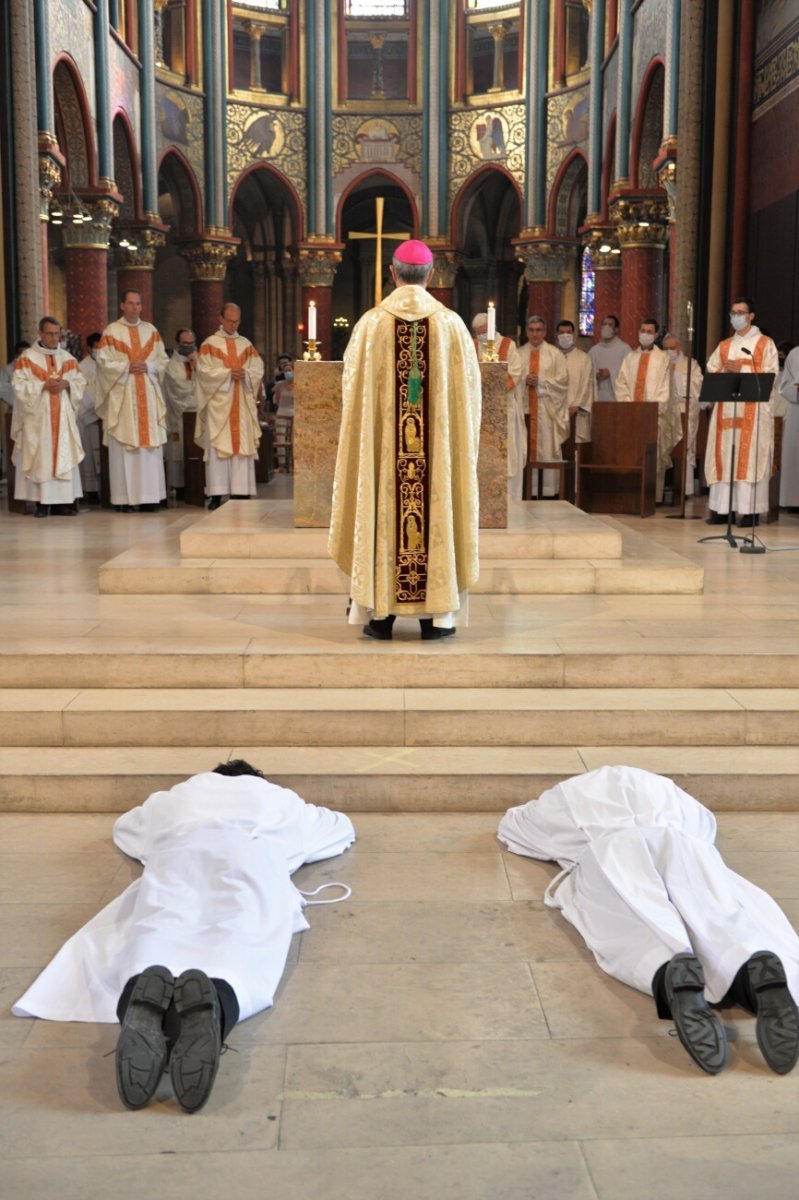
{"type": "Point", "coordinates": [405, 517]}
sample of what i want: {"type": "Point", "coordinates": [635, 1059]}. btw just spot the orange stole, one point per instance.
{"type": "Point", "coordinates": [532, 395]}
{"type": "Point", "coordinates": [233, 362]}
{"type": "Point", "coordinates": [640, 379]}
{"type": "Point", "coordinates": [746, 422]}
{"type": "Point", "coordinates": [136, 353]}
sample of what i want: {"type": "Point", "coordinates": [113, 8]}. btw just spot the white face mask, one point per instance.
{"type": "Point", "coordinates": [673, 355]}
{"type": "Point", "coordinates": [739, 321]}
{"type": "Point", "coordinates": [608, 332]}
{"type": "Point", "coordinates": [565, 340]}
{"type": "Point", "coordinates": [646, 340]}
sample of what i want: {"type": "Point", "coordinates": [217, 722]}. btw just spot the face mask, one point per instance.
{"type": "Point", "coordinates": [608, 331]}
{"type": "Point", "coordinates": [739, 321]}
{"type": "Point", "coordinates": [186, 351]}
{"type": "Point", "coordinates": [673, 355]}
{"type": "Point", "coordinates": [93, 353]}
{"type": "Point", "coordinates": [482, 338]}
{"type": "Point", "coordinates": [288, 376]}
{"type": "Point", "coordinates": [646, 339]}
{"type": "Point", "coordinates": [565, 340]}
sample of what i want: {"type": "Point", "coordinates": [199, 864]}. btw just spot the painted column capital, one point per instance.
{"type": "Point", "coordinates": [666, 170]}
{"type": "Point", "coordinates": [144, 239]}
{"type": "Point", "coordinates": [318, 263]}
{"type": "Point", "coordinates": [545, 259]}
{"type": "Point", "coordinates": [96, 233]}
{"type": "Point", "coordinates": [604, 246]}
{"type": "Point", "coordinates": [50, 163]}
{"type": "Point", "coordinates": [641, 221]}
{"type": "Point", "coordinates": [446, 264]}
{"type": "Point", "coordinates": [208, 257]}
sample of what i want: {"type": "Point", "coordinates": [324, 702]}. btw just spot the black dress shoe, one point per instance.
{"type": "Point", "coordinates": [141, 1047]}
{"type": "Point", "coordinates": [715, 518]}
{"type": "Point", "coordinates": [42, 510]}
{"type": "Point", "coordinates": [380, 629]}
{"type": "Point", "coordinates": [747, 521]}
{"type": "Point", "coordinates": [195, 1056]}
{"type": "Point", "coordinates": [700, 1031]}
{"type": "Point", "coordinates": [67, 510]}
{"type": "Point", "coordinates": [777, 1016]}
{"type": "Point", "coordinates": [431, 632]}
{"type": "Point", "coordinates": [214, 503]}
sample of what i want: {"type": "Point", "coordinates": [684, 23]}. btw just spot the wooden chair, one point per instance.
{"type": "Point", "coordinates": [193, 465]}
{"type": "Point", "coordinates": [265, 462]}
{"type": "Point", "coordinates": [564, 467]}
{"type": "Point", "coordinates": [773, 513]}
{"type": "Point", "coordinates": [283, 442]}
{"type": "Point", "coordinates": [616, 471]}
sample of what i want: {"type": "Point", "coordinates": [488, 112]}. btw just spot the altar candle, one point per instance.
{"type": "Point", "coordinates": [491, 332]}
{"type": "Point", "coordinates": [312, 321]}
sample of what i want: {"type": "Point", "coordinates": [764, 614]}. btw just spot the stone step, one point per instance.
{"type": "Point", "coordinates": [360, 663]}
{"type": "Point", "coordinates": [392, 778]}
{"type": "Point", "coordinates": [409, 717]}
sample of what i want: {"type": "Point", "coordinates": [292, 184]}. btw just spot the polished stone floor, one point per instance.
{"type": "Point", "coordinates": [441, 1035]}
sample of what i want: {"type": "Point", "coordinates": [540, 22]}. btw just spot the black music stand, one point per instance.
{"type": "Point", "coordinates": [734, 388]}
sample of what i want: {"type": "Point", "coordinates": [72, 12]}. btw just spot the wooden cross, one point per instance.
{"type": "Point", "coordinates": [378, 238]}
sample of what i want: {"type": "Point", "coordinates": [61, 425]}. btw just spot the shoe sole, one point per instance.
{"type": "Point", "coordinates": [700, 1031]}
{"type": "Point", "coordinates": [777, 1025]}
{"type": "Point", "coordinates": [141, 1046]}
{"type": "Point", "coordinates": [195, 1057]}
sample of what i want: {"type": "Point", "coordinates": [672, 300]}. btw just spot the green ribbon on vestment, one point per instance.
{"type": "Point", "coordinates": [414, 375]}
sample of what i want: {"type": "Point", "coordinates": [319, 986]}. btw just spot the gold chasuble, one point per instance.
{"type": "Point", "coordinates": [404, 523]}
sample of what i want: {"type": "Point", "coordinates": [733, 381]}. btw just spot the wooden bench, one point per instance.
{"type": "Point", "coordinates": [616, 472]}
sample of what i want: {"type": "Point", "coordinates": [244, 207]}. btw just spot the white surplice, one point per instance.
{"type": "Point", "coordinates": [91, 431]}
{"type": "Point", "coordinates": [642, 880]}
{"type": "Point", "coordinates": [789, 470]}
{"type": "Point", "coordinates": [582, 390]}
{"type": "Point", "coordinates": [608, 355]}
{"type": "Point", "coordinates": [180, 396]}
{"type": "Point", "coordinates": [215, 894]}
{"type": "Point", "coordinates": [657, 390]}
{"type": "Point", "coordinates": [552, 407]}
{"type": "Point", "coordinates": [678, 371]}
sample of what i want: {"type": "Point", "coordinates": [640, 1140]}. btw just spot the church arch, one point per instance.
{"type": "Point", "coordinates": [648, 127]}
{"type": "Point", "coordinates": [568, 199]}
{"type": "Point", "coordinates": [127, 173]}
{"type": "Point", "coordinates": [370, 180]}
{"type": "Point", "coordinates": [74, 126]}
{"type": "Point", "coordinates": [486, 217]}
{"type": "Point", "coordinates": [179, 208]}
{"type": "Point", "coordinates": [179, 200]}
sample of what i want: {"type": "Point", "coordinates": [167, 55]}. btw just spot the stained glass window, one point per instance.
{"type": "Point", "coordinates": [587, 281]}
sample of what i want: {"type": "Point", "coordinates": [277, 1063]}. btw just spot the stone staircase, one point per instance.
{"type": "Point", "coordinates": [470, 724]}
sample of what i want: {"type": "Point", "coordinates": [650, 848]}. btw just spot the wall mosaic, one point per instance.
{"type": "Point", "coordinates": [650, 24]}
{"type": "Point", "coordinates": [123, 86]}
{"type": "Point", "coordinates": [492, 135]}
{"type": "Point", "coordinates": [567, 128]}
{"type": "Point", "coordinates": [72, 33]}
{"type": "Point", "coordinates": [258, 135]}
{"type": "Point", "coordinates": [780, 69]}
{"type": "Point", "coordinates": [376, 141]}
{"type": "Point", "coordinates": [71, 131]}
{"type": "Point", "coordinates": [179, 123]}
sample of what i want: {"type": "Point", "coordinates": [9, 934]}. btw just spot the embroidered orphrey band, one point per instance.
{"type": "Point", "coordinates": [411, 340]}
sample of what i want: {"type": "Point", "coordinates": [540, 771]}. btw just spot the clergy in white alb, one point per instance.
{"type": "Point", "coordinates": [582, 382]}
{"type": "Point", "coordinates": [229, 373]}
{"type": "Point", "coordinates": [543, 394]}
{"type": "Point", "coordinates": [91, 432]}
{"type": "Point", "coordinates": [215, 895]}
{"type": "Point", "coordinates": [405, 515]}
{"type": "Point", "coordinates": [789, 463]}
{"type": "Point", "coordinates": [131, 361]}
{"type": "Point", "coordinates": [606, 356]}
{"type": "Point", "coordinates": [507, 352]}
{"type": "Point", "coordinates": [747, 351]}
{"type": "Point", "coordinates": [687, 399]}
{"type": "Point", "coordinates": [642, 882]}
{"type": "Point", "coordinates": [645, 378]}
{"type": "Point", "coordinates": [48, 388]}
{"type": "Point", "coordinates": [180, 394]}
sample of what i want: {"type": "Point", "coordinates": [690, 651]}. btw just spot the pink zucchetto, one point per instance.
{"type": "Point", "coordinates": [413, 252]}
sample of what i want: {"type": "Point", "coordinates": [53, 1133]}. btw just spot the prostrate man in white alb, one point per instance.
{"type": "Point", "coordinates": [180, 394]}
{"type": "Point", "coordinates": [229, 373]}
{"type": "Point", "coordinates": [678, 370]}
{"type": "Point", "coordinates": [48, 388]}
{"type": "Point", "coordinates": [507, 352]}
{"type": "Point", "coordinates": [91, 432]}
{"type": "Point", "coordinates": [658, 908]}
{"type": "Point", "coordinates": [789, 467]}
{"type": "Point", "coordinates": [131, 361]}
{"type": "Point", "coordinates": [543, 394]}
{"type": "Point", "coordinates": [747, 351]}
{"type": "Point", "coordinates": [404, 524]}
{"type": "Point", "coordinates": [582, 382]}
{"type": "Point", "coordinates": [607, 356]}
{"type": "Point", "coordinates": [645, 377]}
{"type": "Point", "coordinates": [200, 940]}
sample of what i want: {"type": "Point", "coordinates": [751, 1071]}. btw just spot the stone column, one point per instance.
{"type": "Point", "coordinates": [667, 178]}
{"type": "Point", "coordinates": [689, 123]}
{"type": "Point", "coordinates": [641, 230]}
{"type": "Point", "coordinates": [255, 32]}
{"type": "Point", "coordinates": [208, 258]}
{"type": "Point", "coordinates": [445, 269]}
{"type": "Point", "coordinates": [136, 261]}
{"type": "Point", "coordinates": [498, 31]}
{"type": "Point", "coordinates": [259, 335]}
{"type": "Point", "coordinates": [158, 32]}
{"type": "Point", "coordinates": [624, 55]}
{"type": "Point", "coordinates": [536, 43]}
{"type": "Point", "coordinates": [435, 163]}
{"type": "Point", "coordinates": [596, 100]}
{"type": "Point", "coordinates": [606, 259]}
{"type": "Point", "coordinates": [545, 262]}
{"type": "Point", "coordinates": [86, 257]}
{"type": "Point", "coordinates": [317, 269]}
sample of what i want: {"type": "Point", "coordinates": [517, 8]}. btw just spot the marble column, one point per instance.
{"type": "Point", "coordinates": [624, 94]}
{"type": "Point", "coordinates": [208, 258]}
{"type": "Point", "coordinates": [434, 144]}
{"type": "Point", "coordinates": [687, 203]}
{"type": "Point", "coordinates": [86, 259]}
{"type": "Point", "coordinates": [317, 268]}
{"type": "Point", "coordinates": [545, 264]}
{"type": "Point", "coordinates": [498, 31]}
{"type": "Point", "coordinates": [445, 269]}
{"type": "Point", "coordinates": [319, 49]}
{"type": "Point", "coordinates": [641, 230]}
{"type": "Point", "coordinates": [255, 33]}
{"type": "Point", "coordinates": [606, 259]}
{"type": "Point", "coordinates": [596, 100]}
{"type": "Point", "coordinates": [537, 40]}
{"type": "Point", "coordinates": [149, 157]}
{"type": "Point", "coordinates": [135, 263]}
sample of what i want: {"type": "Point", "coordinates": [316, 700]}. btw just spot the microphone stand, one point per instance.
{"type": "Point", "coordinates": [749, 546]}
{"type": "Point", "coordinates": [681, 515]}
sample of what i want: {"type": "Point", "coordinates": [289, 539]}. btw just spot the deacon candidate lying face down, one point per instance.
{"type": "Point", "coordinates": [200, 940]}
{"type": "Point", "coordinates": [410, 428]}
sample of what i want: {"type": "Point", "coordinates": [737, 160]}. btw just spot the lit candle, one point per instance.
{"type": "Point", "coordinates": [312, 321]}
{"type": "Point", "coordinates": [491, 332]}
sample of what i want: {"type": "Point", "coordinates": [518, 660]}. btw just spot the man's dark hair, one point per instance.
{"type": "Point", "coordinates": [48, 321]}
{"type": "Point", "coordinates": [290, 357]}
{"type": "Point", "coordinates": [612, 317]}
{"type": "Point", "coordinates": [747, 300]}
{"type": "Point", "coordinates": [650, 321]}
{"type": "Point", "coordinates": [129, 292]}
{"type": "Point", "coordinates": [566, 325]}
{"type": "Point", "coordinates": [183, 329]}
{"type": "Point", "coordinates": [92, 340]}
{"type": "Point", "coordinates": [237, 766]}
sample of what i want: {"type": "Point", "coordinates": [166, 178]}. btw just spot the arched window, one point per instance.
{"type": "Point", "coordinates": [587, 285]}
{"type": "Point", "coordinates": [376, 36]}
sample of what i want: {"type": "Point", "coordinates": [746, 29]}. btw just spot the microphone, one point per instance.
{"type": "Point", "coordinates": [744, 350]}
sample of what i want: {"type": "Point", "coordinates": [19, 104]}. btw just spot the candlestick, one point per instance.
{"type": "Point", "coordinates": [491, 332]}
{"type": "Point", "coordinates": [312, 354]}
{"type": "Point", "coordinates": [312, 321]}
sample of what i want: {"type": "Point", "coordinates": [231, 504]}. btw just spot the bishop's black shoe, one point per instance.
{"type": "Point", "coordinates": [141, 1046]}
{"type": "Point", "coordinates": [700, 1031]}
{"type": "Point", "coordinates": [195, 1056]}
{"type": "Point", "coordinates": [433, 633]}
{"type": "Point", "coordinates": [777, 1016]}
{"type": "Point", "coordinates": [380, 629]}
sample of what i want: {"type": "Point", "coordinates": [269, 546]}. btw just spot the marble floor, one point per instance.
{"type": "Point", "coordinates": [439, 1036]}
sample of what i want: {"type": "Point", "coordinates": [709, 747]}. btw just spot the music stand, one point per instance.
{"type": "Point", "coordinates": [733, 388]}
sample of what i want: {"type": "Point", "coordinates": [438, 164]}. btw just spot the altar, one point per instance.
{"type": "Point", "coordinates": [317, 417]}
